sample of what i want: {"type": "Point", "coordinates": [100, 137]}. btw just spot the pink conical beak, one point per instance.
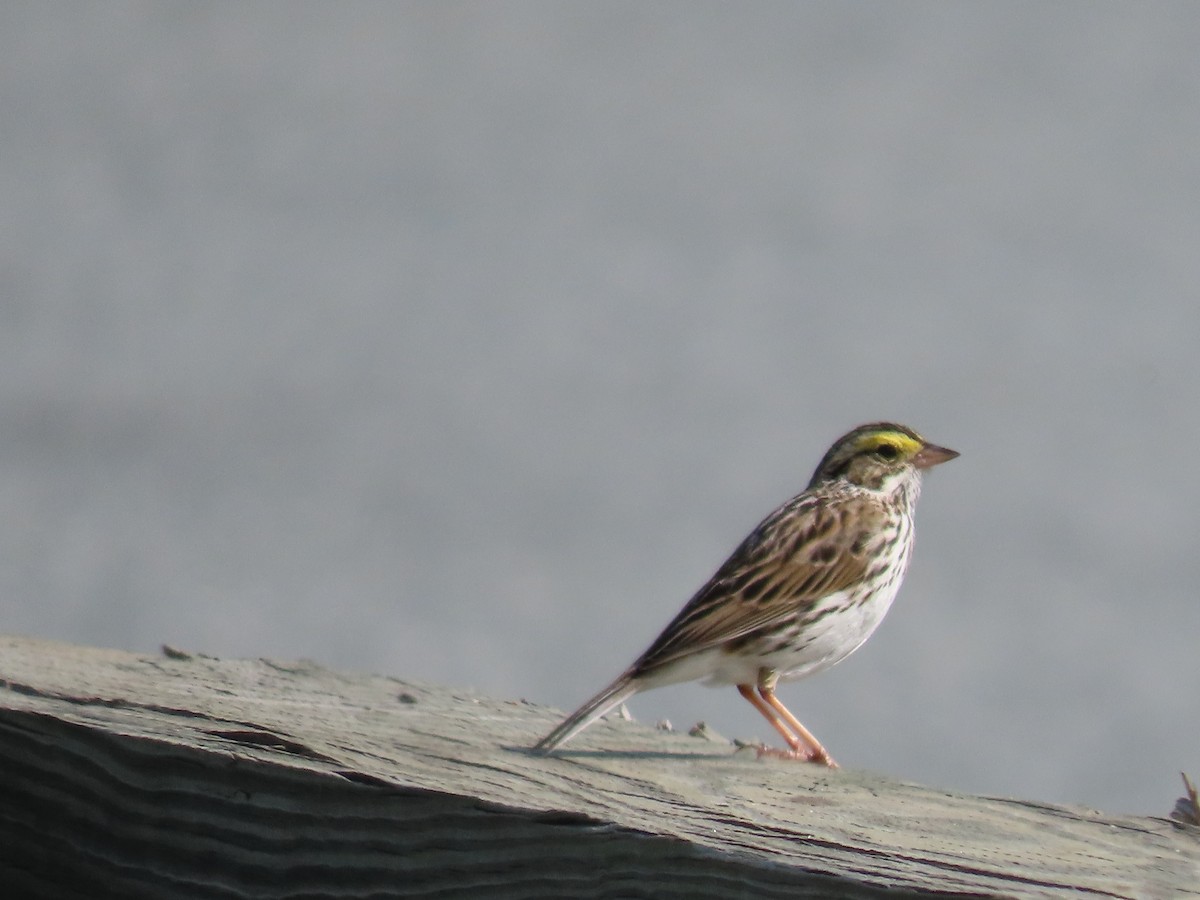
{"type": "Point", "coordinates": [931, 455]}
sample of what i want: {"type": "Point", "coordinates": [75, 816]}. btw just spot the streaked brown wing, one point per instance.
{"type": "Point", "coordinates": [807, 549]}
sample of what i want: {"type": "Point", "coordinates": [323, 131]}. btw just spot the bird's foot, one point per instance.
{"type": "Point", "coordinates": [820, 755]}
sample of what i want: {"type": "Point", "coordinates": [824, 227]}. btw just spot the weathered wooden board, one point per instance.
{"type": "Point", "coordinates": [186, 776]}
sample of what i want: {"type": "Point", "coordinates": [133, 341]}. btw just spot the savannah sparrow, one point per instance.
{"type": "Point", "coordinates": [800, 594]}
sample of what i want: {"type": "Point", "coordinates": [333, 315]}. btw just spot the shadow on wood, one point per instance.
{"type": "Point", "coordinates": [186, 776]}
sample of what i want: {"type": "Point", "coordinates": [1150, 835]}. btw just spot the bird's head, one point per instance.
{"type": "Point", "coordinates": [881, 456]}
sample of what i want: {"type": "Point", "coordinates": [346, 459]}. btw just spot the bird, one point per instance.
{"type": "Point", "coordinates": [802, 591]}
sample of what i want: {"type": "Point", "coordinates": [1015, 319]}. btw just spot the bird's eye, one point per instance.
{"type": "Point", "coordinates": [888, 451]}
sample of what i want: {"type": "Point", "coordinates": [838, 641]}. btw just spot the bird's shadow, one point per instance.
{"type": "Point", "coordinates": [619, 754]}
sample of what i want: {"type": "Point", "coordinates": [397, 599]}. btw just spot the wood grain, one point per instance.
{"type": "Point", "coordinates": [181, 775]}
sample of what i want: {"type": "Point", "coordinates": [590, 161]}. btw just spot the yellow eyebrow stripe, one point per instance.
{"type": "Point", "coordinates": [907, 445]}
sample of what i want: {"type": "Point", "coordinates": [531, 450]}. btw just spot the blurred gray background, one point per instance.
{"type": "Point", "coordinates": [462, 341]}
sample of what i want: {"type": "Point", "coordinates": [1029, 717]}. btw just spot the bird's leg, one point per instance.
{"type": "Point", "coordinates": [747, 691]}
{"type": "Point", "coordinates": [814, 752]}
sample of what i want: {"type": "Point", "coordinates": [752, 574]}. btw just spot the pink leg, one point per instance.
{"type": "Point", "coordinates": [771, 716]}
{"type": "Point", "coordinates": [815, 752]}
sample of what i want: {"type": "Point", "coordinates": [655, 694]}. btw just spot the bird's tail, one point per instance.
{"type": "Point", "coordinates": [617, 692]}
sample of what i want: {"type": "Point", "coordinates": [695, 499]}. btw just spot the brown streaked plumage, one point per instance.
{"type": "Point", "coordinates": [801, 593]}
